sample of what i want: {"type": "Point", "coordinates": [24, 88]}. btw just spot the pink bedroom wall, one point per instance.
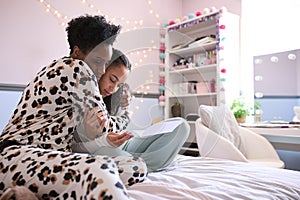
{"type": "Point", "coordinates": [233, 6]}
{"type": "Point", "coordinates": [31, 38]}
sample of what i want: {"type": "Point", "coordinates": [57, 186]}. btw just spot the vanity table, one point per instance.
{"type": "Point", "coordinates": [282, 136]}
{"type": "Point", "coordinates": [285, 138]}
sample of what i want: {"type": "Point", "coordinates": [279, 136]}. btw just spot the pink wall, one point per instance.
{"type": "Point", "coordinates": [233, 6]}
{"type": "Point", "coordinates": [31, 38]}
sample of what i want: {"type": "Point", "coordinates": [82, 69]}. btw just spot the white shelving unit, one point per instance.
{"type": "Point", "coordinates": [224, 68]}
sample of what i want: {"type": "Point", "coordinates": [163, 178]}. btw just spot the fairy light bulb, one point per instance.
{"type": "Point", "coordinates": [134, 24]}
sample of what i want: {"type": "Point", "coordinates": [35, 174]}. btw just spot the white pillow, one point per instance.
{"type": "Point", "coordinates": [221, 120]}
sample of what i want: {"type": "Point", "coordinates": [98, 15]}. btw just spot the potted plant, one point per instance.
{"type": "Point", "coordinates": [176, 109]}
{"type": "Point", "coordinates": [240, 109]}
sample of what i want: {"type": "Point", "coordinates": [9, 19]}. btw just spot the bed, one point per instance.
{"type": "Point", "coordinates": [206, 178]}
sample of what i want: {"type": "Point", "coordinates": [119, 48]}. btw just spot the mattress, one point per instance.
{"type": "Point", "coordinates": [206, 178]}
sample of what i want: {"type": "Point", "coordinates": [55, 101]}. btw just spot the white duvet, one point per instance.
{"type": "Point", "coordinates": [204, 178]}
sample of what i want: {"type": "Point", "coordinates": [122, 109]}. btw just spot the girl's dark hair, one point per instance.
{"type": "Point", "coordinates": [89, 31]}
{"type": "Point", "coordinates": [113, 101]}
{"type": "Point", "coordinates": [119, 58]}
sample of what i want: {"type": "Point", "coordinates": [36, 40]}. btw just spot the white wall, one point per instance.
{"type": "Point", "coordinates": [267, 27]}
{"type": "Point", "coordinates": [9, 102]}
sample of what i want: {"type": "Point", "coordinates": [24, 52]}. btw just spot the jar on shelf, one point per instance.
{"type": "Point", "coordinates": [176, 109]}
{"type": "Point", "coordinates": [192, 87]}
{"type": "Point", "coordinates": [212, 85]}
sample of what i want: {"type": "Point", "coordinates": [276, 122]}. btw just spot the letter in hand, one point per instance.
{"type": "Point", "coordinates": [94, 122]}
{"type": "Point", "coordinates": [116, 139]}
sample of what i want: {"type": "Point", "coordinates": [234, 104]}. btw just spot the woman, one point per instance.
{"type": "Point", "coordinates": [115, 76]}
{"type": "Point", "coordinates": [35, 146]}
{"type": "Point", "coordinates": [157, 151]}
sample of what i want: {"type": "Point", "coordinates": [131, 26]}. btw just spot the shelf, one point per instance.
{"type": "Point", "coordinates": [190, 149]}
{"type": "Point", "coordinates": [197, 23]}
{"type": "Point", "coordinates": [205, 68]}
{"type": "Point", "coordinates": [189, 152]}
{"type": "Point", "coordinates": [192, 95]}
{"type": "Point", "coordinates": [179, 36]}
{"type": "Point", "coordinates": [195, 49]}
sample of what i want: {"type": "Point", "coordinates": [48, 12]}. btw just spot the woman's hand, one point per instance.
{"type": "Point", "coordinates": [117, 140]}
{"type": "Point", "coordinates": [94, 122]}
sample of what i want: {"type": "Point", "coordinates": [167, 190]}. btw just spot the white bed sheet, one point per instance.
{"type": "Point", "coordinates": [205, 178]}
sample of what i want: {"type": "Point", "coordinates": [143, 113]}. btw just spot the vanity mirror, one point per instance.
{"type": "Point", "coordinates": [270, 43]}
{"type": "Point", "coordinates": [277, 84]}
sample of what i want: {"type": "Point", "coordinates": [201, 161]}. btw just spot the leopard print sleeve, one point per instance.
{"type": "Point", "coordinates": [86, 93]}
{"type": "Point", "coordinates": [52, 106]}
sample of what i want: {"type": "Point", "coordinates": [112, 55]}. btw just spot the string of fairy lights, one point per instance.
{"type": "Point", "coordinates": [134, 24]}
{"type": "Point", "coordinates": [137, 57]}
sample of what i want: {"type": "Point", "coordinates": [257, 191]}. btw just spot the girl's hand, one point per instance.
{"type": "Point", "coordinates": [94, 122]}
{"type": "Point", "coordinates": [116, 139]}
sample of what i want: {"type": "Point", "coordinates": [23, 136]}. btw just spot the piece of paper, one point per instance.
{"type": "Point", "coordinates": [158, 128]}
